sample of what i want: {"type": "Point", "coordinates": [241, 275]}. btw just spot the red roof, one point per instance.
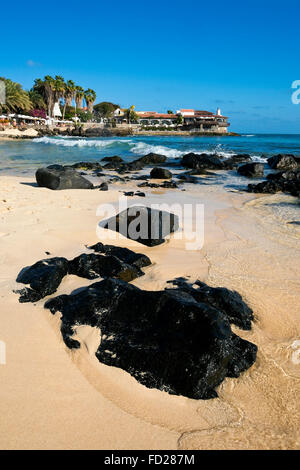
{"type": "Point", "coordinates": [155, 115]}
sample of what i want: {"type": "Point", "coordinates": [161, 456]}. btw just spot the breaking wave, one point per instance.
{"type": "Point", "coordinates": [78, 142]}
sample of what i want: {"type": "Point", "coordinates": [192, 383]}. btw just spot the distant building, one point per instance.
{"type": "Point", "coordinates": [205, 121]}
{"type": "Point", "coordinates": [195, 120]}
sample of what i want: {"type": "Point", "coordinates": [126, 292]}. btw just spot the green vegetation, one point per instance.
{"type": "Point", "coordinates": [16, 99]}
{"type": "Point", "coordinates": [105, 109]}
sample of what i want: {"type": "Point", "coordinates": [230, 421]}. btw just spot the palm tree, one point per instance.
{"type": "Point", "coordinates": [16, 99]}
{"type": "Point", "coordinates": [37, 99]}
{"type": "Point", "coordinates": [48, 85]}
{"type": "Point", "coordinates": [59, 88]}
{"type": "Point", "coordinates": [90, 98]}
{"type": "Point", "coordinates": [70, 90]}
{"type": "Point", "coordinates": [79, 96]}
{"type": "Point", "coordinates": [131, 115]}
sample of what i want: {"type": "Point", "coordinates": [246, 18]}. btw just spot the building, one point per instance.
{"type": "Point", "coordinates": [204, 121]}
{"type": "Point", "coordinates": [189, 119]}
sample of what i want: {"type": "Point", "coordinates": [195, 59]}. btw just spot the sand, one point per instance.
{"type": "Point", "coordinates": [54, 398]}
{"type": "Point", "coordinates": [12, 133]}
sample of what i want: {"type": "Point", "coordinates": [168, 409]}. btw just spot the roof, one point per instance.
{"type": "Point", "coordinates": [155, 115]}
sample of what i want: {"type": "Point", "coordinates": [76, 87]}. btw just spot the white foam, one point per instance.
{"type": "Point", "coordinates": [78, 142]}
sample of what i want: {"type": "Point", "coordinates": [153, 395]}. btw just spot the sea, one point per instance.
{"type": "Point", "coordinates": [25, 156]}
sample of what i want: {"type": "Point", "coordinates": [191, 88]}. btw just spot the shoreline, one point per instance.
{"type": "Point", "coordinates": [52, 388]}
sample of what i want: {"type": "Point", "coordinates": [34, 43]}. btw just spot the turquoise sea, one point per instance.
{"type": "Point", "coordinates": [25, 156]}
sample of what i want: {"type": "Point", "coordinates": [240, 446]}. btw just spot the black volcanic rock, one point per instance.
{"type": "Point", "coordinates": [283, 162]}
{"type": "Point", "coordinates": [115, 159]}
{"type": "Point", "coordinates": [138, 260]}
{"type": "Point", "coordinates": [164, 339]}
{"type": "Point", "coordinates": [44, 277]}
{"type": "Point", "coordinates": [160, 173]}
{"type": "Point", "coordinates": [285, 181]}
{"type": "Point", "coordinates": [87, 166]}
{"type": "Point", "coordinates": [144, 224]}
{"type": "Point", "coordinates": [152, 158]}
{"type": "Point", "coordinates": [58, 177]}
{"type": "Point", "coordinates": [229, 302]}
{"type": "Point", "coordinates": [103, 186]}
{"type": "Point", "coordinates": [91, 266]}
{"type": "Point", "coordinates": [202, 161]}
{"type": "Point", "coordinates": [251, 169]}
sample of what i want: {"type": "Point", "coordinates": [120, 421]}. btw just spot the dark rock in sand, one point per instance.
{"type": "Point", "coordinates": [251, 169]}
{"type": "Point", "coordinates": [285, 181]}
{"type": "Point", "coordinates": [283, 162]}
{"type": "Point", "coordinates": [144, 225]}
{"type": "Point", "coordinates": [91, 266]}
{"type": "Point", "coordinates": [229, 302]}
{"type": "Point", "coordinates": [202, 161]}
{"type": "Point", "coordinates": [103, 187]}
{"type": "Point", "coordinates": [164, 339]}
{"type": "Point", "coordinates": [152, 158]}
{"type": "Point", "coordinates": [115, 159]}
{"type": "Point", "coordinates": [43, 277]}
{"type": "Point", "coordinates": [87, 166]}
{"type": "Point", "coordinates": [138, 260]}
{"type": "Point", "coordinates": [58, 177]}
{"type": "Point", "coordinates": [160, 173]}
{"type": "Point", "coordinates": [165, 184]}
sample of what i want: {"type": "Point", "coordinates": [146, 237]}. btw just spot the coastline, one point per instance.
{"type": "Point", "coordinates": [67, 399]}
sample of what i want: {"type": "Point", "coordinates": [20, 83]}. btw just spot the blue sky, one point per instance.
{"type": "Point", "coordinates": [159, 55]}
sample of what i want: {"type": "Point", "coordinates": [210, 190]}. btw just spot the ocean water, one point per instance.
{"type": "Point", "coordinates": [25, 156]}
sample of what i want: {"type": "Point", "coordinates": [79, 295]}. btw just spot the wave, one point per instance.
{"type": "Point", "coordinates": [248, 135]}
{"type": "Point", "coordinates": [78, 142]}
{"type": "Point", "coordinates": [141, 148]}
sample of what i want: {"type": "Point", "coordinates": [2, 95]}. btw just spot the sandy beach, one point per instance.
{"type": "Point", "coordinates": [53, 397]}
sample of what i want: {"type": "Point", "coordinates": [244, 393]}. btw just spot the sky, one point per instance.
{"type": "Point", "coordinates": [240, 56]}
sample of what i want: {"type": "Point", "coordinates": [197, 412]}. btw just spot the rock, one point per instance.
{"type": "Point", "coordinates": [164, 339]}
{"type": "Point", "coordinates": [57, 177]}
{"type": "Point", "coordinates": [152, 158]}
{"type": "Point", "coordinates": [283, 162]}
{"type": "Point", "coordinates": [87, 166]}
{"type": "Point", "coordinates": [251, 169]}
{"type": "Point", "coordinates": [285, 181]}
{"type": "Point", "coordinates": [43, 277]}
{"type": "Point", "coordinates": [240, 157]}
{"type": "Point", "coordinates": [202, 161]}
{"type": "Point", "coordinates": [128, 256]}
{"type": "Point", "coordinates": [91, 266]}
{"type": "Point", "coordinates": [103, 187]}
{"type": "Point", "coordinates": [144, 225]}
{"type": "Point", "coordinates": [114, 159]}
{"type": "Point", "coordinates": [230, 303]}
{"type": "Point", "coordinates": [160, 173]}
{"type": "Point", "coordinates": [165, 184]}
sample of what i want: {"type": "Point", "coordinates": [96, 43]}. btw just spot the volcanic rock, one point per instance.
{"type": "Point", "coordinates": [144, 225]}
{"type": "Point", "coordinates": [58, 177]}
{"type": "Point", "coordinates": [164, 339]}
{"type": "Point", "coordinates": [43, 277]}
{"type": "Point", "coordinates": [251, 169]}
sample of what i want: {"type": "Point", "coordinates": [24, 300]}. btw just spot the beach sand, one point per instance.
{"type": "Point", "coordinates": [12, 133]}
{"type": "Point", "coordinates": [54, 398]}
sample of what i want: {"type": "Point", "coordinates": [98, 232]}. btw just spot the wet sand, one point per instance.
{"type": "Point", "coordinates": [52, 397]}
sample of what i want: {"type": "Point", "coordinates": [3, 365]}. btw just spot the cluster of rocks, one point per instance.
{"type": "Point", "coordinates": [45, 276]}
{"type": "Point", "coordinates": [286, 180]}
{"type": "Point", "coordinates": [177, 340]}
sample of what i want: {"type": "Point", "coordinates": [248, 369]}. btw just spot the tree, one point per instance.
{"type": "Point", "coordinates": [70, 89]}
{"type": "Point", "coordinates": [79, 96]}
{"type": "Point", "coordinates": [105, 109]}
{"type": "Point", "coordinates": [59, 88]}
{"type": "Point", "coordinates": [90, 98]}
{"type": "Point", "coordinates": [16, 99]}
{"type": "Point", "coordinates": [37, 99]}
{"type": "Point", "coordinates": [131, 115]}
{"type": "Point", "coordinates": [170, 112]}
{"type": "Point", "coordinates": [179, 119]}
